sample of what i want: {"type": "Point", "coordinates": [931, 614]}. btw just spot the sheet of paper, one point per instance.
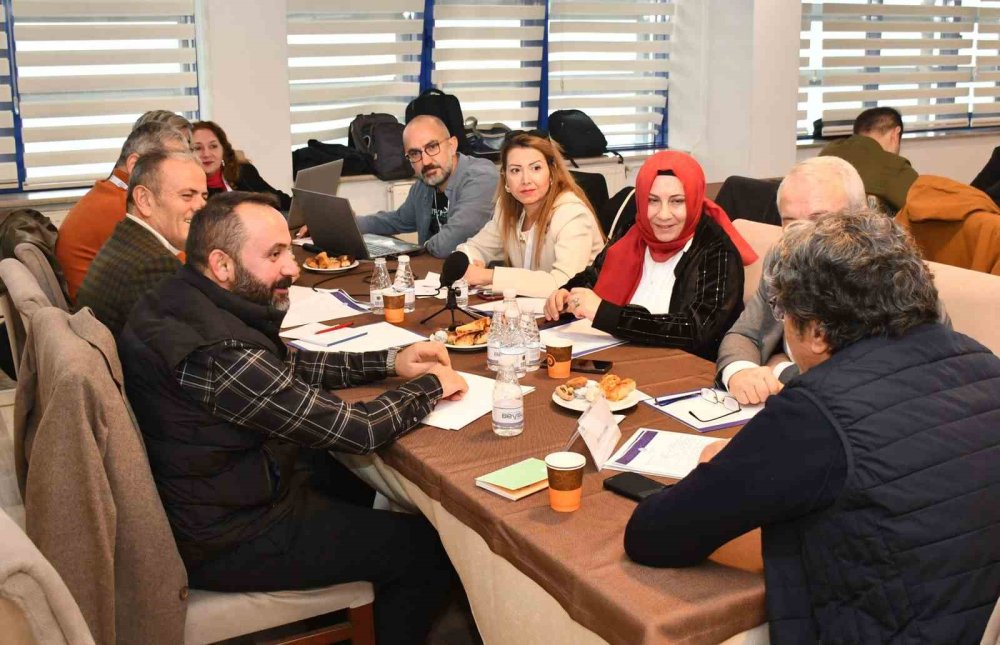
{"type": "Point", "coordinates": [300, 241]}
{"type": "Point", "coordinates": [377, 336]}
{"type": "Point", "coordinates": [599, 431]}
{"type": "Point", "coordinates": [455, 415]}
{"type": "Point", "coordinates": [317, 305]}
{"type": "Point", "coordinates": [585, 339]}
{"type": "Point", "coordinates": [534, 305]}
{"type": "Point", "coordinates": [429, 286]}
{"type": "Point", "coordinates": [659, 452]}
{"type": "Point", "coordinates": [691, 409]}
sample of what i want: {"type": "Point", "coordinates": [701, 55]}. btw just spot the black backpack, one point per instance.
{"type": "Point", "coordinates": [316, 153]}
{"type": "Point", "coordinates": [445, 107]}
{"type": "Point", "coordinates": [380, 136]}
{"type": "Point", "coordinates": [577, 133]}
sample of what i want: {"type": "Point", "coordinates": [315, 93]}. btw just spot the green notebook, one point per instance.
{"type": "Point", "coordinates": [517, 480]}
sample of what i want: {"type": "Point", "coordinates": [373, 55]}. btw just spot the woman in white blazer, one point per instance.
{"type": "Point", "coordinates": [543, 227]}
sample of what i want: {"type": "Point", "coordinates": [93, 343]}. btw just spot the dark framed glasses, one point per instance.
{"type": "Point", "coordinates": [727, 403]}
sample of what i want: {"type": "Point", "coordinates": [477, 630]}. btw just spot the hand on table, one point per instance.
{"type": "Point", "coordinates": [753, 385]}
{"type": "Point", "coordinates": [556, 304]}
{"type": "Point", "coordinates": [477, 274]}
{"type": "Point", "coordinates": [583, 303]}
{"type": "Point", "coordinates": [711, 450]}
{"type": "Point", "coordinates": [453, 385]}
{"type": "Point", "coordinates": [419, 358]}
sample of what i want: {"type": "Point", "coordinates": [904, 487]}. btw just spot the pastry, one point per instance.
{"type": "Point", "coordinates": [577, 382]}
{"type": "Point", "coordinates": [469, 334]}
{"type": "Point", "coordinates": [564, 392]}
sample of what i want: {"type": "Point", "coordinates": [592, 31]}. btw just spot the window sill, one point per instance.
{"type": "Point", "coordinates": [912, 136]}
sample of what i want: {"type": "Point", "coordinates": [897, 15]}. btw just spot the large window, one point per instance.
{"type": "Point", "coordinates": [86, 71]}
{"type": "Point", "coordinates": [8, 140]}
{"type": "Point", "coordinates": [508, 61]}
{"type": "Point", "coordinates": [936, 61]}
{"type": "Point", "coordinates": [347, 59]}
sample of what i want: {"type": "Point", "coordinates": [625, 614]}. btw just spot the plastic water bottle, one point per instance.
{"type": "Point", "coordinates": [512, 339]}
{"type": "Point", "coordinates": [512, 343]}
{"type": "Point", "coordinates": [404, 283]}
{"type": "Point", "coordinates": [493, 341]}
{"type": "Point", "coordinates": [380, 281]}
{"type": "Point", "coordinates": [508, 402]}
{"type": "Point", "coordinates": [462, 293]}
{"type": "Point", "coordinates": [532, 341]}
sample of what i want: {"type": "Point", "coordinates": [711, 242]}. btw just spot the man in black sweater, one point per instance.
{"type": "Point", "coordinates": [873, 472]}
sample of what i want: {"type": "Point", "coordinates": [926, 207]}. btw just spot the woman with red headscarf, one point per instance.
{"type": "Point", "coordinates": [677, 278]}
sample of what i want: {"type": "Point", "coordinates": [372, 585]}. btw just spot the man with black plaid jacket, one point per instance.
{"type": "Point", "coordinates": [165, 190]}
{"type": "Point", "coordinates": [237, 427]}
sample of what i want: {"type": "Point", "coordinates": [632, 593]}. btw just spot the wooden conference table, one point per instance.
{"type": "Point", "coordinates": [537, 576]}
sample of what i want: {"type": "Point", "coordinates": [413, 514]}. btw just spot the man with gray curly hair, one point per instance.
{"type": "Point", "coordinates": [751, 363]}
{"type": "Point", "coordinates": [873, 473]}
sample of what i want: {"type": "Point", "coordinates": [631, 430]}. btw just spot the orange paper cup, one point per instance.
{"type": "Point", "coordinates": [393, 302]}
{"type": "Point", "coordinates": [565, 471]}
{"type": "Point", "coordinates": [557, 358]}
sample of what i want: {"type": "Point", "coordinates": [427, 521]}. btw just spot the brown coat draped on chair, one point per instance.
{"type": "Point", "coordinates": [953, 223]}
{"type": "Point", "coordinates": [90, 502]}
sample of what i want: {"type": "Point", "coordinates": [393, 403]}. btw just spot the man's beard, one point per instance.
{"type": "Point", "coordinates": [250, 288]}
{"type": "Point", "coordinates": [439, 179]}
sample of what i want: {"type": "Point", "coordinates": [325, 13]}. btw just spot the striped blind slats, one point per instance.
{"type": "Point", "coordinates": [86, 70]}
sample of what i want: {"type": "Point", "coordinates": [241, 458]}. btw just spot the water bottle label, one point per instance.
{"type": "Point", "coordinates": [508, 417]}
{"type": "Point", "coordinates": [493, 353]}
{"type": "Point", "coordinates": [375, 295]}
{"type": "Point", "coordinates": [410, 297]}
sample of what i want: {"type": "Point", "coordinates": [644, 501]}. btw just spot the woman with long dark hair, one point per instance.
{"type": "Point", "coordinates": [223, 169]}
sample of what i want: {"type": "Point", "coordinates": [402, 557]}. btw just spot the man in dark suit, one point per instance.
{"type": "Point", "coordinates": [165, 190]}
{"type": "Point", "coordinates": [752, 363]}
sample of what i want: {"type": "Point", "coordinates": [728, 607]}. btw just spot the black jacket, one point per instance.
{"type": "Point", "coordinates": [706, 300]}
{"type": "Point", "coordinates": [251, 181]}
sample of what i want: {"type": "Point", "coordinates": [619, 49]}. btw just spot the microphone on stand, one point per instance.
{"type": "Point", "coordinates": [455, 266]}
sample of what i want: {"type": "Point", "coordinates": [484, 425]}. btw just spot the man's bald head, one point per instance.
{"type": "Point", "coordinates": [426, 139]}
{"type": "Point", "coordinates": [820, 186]}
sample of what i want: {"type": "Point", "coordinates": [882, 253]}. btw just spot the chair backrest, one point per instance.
{"type": "Point", "coordinates": [22, 297]}
{"type": "Point", "coordinates": [618, 213]}
{"type": "Point", "coordinates": [594, 185]}
{"type": "Point", "coordinates": [36, 262]}
{"type": "Point", "coordinates": [748, 198]}
{"type": "Point", "coordinates": [760, 237]}
{"type": "Point", "coordinates": [35, 605]}
{"type": "Point", "coordinates": [972, 300]}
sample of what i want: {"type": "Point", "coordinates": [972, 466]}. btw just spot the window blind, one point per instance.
{"type": "Point", "coordinates": [918, 57]}
{"type": "Point", "coordinates": [8, 146]}
{"type": "Point", "coordinates": [986, 88]}
{"type": "Point", "coordinates": [611, 59]}
{"type": "Point", "coordinates": [346, 59]}
{"type": "Point", "coordinates": [87, 70]}
{"type": "Point", "coordinates": [489, 55]}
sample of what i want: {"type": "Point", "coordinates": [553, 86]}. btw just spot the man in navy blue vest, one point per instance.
{"type": "Point", "coordinates": [873, 473]}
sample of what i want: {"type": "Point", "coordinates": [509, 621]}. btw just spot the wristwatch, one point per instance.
{"type": "Point", "coordinates": [390, 361]}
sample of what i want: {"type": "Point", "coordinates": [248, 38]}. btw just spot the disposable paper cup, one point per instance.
{"type": "Point", "coordinates": [565, 480]}
{"type": "Point", "coordinates": [558, 355]}
{"type": "Point", "coordinates": [393, 302]}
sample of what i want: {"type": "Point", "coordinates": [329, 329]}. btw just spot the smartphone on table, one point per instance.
{"type": "Point", "coordinates": [634, 486]}
{"type": "Point", "coordinates": [588, 366]}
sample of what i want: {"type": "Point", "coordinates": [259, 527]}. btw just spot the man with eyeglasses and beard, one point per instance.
{"type": "Point", "coordinates": [453, 198]}
{"type": "Point", "coordinates": [238, 428]}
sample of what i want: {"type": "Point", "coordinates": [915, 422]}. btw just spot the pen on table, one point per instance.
{"type": "Point", "coordinates": [670, 398]}
{"type": "Point", "coordinates": [334, 328]}
{"type": "Point", "coordinates": [344, 340]}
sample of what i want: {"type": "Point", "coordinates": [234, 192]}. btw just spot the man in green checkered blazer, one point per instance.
{"type": "Point", "coordinates": [165, 190]}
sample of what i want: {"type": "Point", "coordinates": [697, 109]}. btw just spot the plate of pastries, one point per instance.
{"type": "Point", "coordinates": [470, 337]}
{"type": "Point", "coordinates": [579, 392]}
{"type": "Point", "coordinates": [323, 263]}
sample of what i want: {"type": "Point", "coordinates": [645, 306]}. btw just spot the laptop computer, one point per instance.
{"type": "Point", "coordinates": [324, 178]}
{"type": "Point", "coordinates": [333, 229]}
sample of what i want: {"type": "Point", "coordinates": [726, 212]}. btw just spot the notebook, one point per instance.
{"type": "Point", "coordinates": [517, 480]}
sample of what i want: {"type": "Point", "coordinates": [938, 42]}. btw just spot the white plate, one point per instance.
{"type": "Point", "coordinates": [462, 348]}
{"type": "Point", "coordinates": [581, 405]}
{"type": "Point", "coordinates": [340, 270]}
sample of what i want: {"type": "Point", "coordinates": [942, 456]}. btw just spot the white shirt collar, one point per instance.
{"type": "Point", "coordinates": [145, 225]}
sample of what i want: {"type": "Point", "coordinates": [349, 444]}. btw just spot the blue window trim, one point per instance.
{"type": "Point", "coordinates": [15, 98]}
